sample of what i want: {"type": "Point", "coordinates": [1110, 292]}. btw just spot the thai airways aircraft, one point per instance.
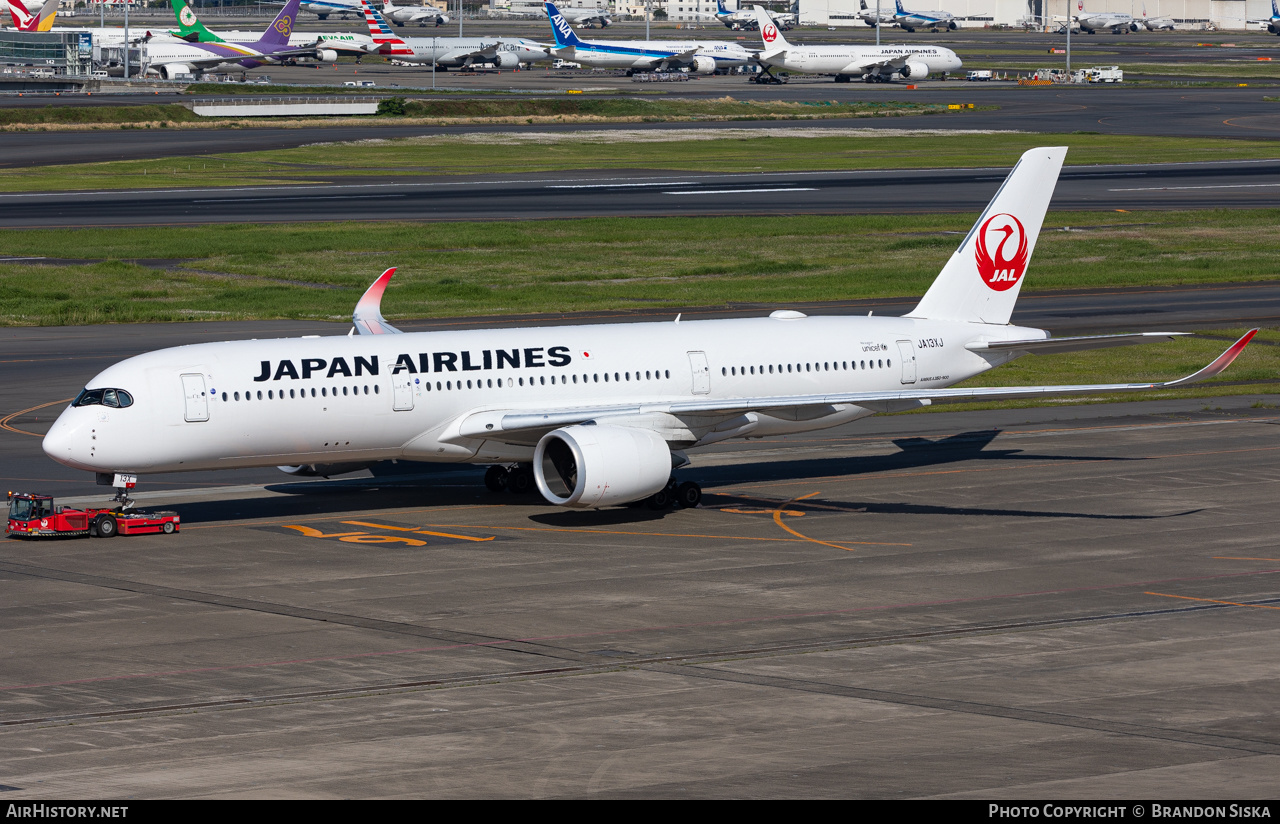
{"type": "Point", "coordinates": [25, 19]}
{"type": "Point", "coordinates": [1118, 22]}
{"type": "Point", "coordinates": [450, 52]}
{"type": "Point", "coordinates": [873, 64]}
{"type": "Point", "coordinates": [170, 58]}
{"type": "Point", "coordinates": [581, 17]}
{"type": "Point", "coordinates": [593, 415]}
{"type": "Point", "coordinates": [912, 20]}
{"type": "Point", "coordinates": [1272, 22]}
{"type": "Point", "coordinates": [700, 56]}
{"type": "Point", "coordinates": [1163, 23]}
{"type": "Point", "coordinates": [328, 46]}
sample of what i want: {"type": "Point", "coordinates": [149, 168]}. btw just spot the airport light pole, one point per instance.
{"type": "Point", "coordinates": [459, 22]}
{"type": "Point", "coordinates": [1068, 39]}
{"type": "Point", "coordinates": [126, 39]}
{"type": "Point", "coordinates": [877, 23]}
{"type": "Point", "coordinates": [433, 63]}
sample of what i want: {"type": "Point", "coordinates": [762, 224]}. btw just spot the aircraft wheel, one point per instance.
{"type": "Point", "coordinates": [496, 478]}
{"type": "Point", "coordinates": [168, 527]}
{"type": "Point", "coordinates": [520, 480]}
{"type": "Point", "coordinates": [688, 494]}
{"type": "Point", "coordinates": [107, 526]}
{"type": "Point", "coordinates": [660, 499]}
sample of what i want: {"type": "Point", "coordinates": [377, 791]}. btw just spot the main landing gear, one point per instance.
{"type": "Point", "coordinates": [767, 77]}
{"type": "Point", "coordinates": [519, 479]}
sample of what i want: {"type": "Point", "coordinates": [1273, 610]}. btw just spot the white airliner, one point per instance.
{"type": "Point", "coordinates": [1160, 23]}
{"type": "Point", "coordinates": [874, 64]}
{"type": "Point", "coordinates": [583, 18]}
{"type": "Point", "coordinates": [1118, 22]}
{"type": "Point", "coordinates": [869, 15]}
{"type": "Point", "coordinates": [593, 415]}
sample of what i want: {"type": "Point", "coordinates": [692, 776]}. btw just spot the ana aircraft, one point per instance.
{"type": "Point", "coordinates": [327, 46]}
{"type": "Point", "coordinates": [701, 56]}
{"type": "Point", "coordinates": [593, 415]}
{"type": "Point", "coordinates": [1118, 22]}
{"type": "Point", "coordinates": [745, 19]}
{"type": "Point", "coordinates": [583, 18]}
{"type": "Point", "coordinates": [324, 8]}
{"type": "Point", "coordinates": [912, 20]}
{"type": "Point", "coordinates": [1273, 22]}
{"type": "Point", "coordinates": [25, 19]}
{"type": "Point", "coordinates": [450, 52]}
{"type": "Point", "coordinates": [873, 64]}
{"type": "Point", "coordinates": [1160, 23]}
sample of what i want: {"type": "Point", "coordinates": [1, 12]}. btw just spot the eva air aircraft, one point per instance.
{"type": "Point", "coordinates": [592, 415]}
{"type": "Point", "coordinates": [328, 45]}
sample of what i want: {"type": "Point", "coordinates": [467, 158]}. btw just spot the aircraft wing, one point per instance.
{"type": "Point", "coordinates": [1046, 346]}
{"type": "Point", "coordinates": [884, 66]}
{"type": "Point", "coordinates": [494, 423]}
{"type": "Point", "coordinates": [368, 317]}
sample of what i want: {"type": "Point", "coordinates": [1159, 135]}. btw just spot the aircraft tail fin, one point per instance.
{"type": "Point", "coordinates": [1275, 8]}
{"type": "Point", "coordinates": [720, 7]}
{"type": "Point", "coordinates": [898, 5]}
{"type": "Point", "coordinates": [560, 28]}
{"type": "Point", "coordinates": [980, 282]}
{"type": "Point", "coordinates": [367, 316]}
{"type": "Point", "coordinates": [277, 34]}
{"type": "Point", "coordinates": [769, 32]}
{"type": "Point", "coordinates": [23, 19]}
{"type": "Point", "coordinates": [380, 31]}
{"type": "Point", "coordinates": [189, 26]}
{"type": "Point", "coordinates": [48, 14]}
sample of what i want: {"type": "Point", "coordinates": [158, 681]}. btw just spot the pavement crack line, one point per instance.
{"type": "Point", "coordinates": [304, 613]}
{"type": "Point", "coordinates": [973, 708]}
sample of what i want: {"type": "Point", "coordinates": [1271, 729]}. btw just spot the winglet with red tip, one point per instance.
{"type": "Point", "coordinates": [368, 314]}
{"type": "Point", "coordinates": [1222, 362]}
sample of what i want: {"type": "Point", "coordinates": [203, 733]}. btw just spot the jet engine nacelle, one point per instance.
{"type": "Point", "coordinates": [592, 466]}
{"type": "Point", "coordinates": [1271, 27]}
{"type": "Point", "coordinates": [703, 65]}
{"type": "Point", "coordinates": [506, 60]}
{"type": "Point", "coordinates": [442, 20]}
{"type": "Point", "coordinates": [1134, 27]}
{"type": "Point", "coordinates": [915, 70]}
{"type": "Point", "coordinates": [171, 70]}
{"type": "Point", "coordinates": [323, 470]}
{"type": "Point", "coordinates": [953, 26]}
{"type": "Point", "coordinates": [326, 55]}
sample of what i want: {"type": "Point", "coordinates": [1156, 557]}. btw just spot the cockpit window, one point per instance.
{"type": "Point", "coordinates": [115, 398]}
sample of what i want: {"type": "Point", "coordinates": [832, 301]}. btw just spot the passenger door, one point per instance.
{"type": "Point", "coordinates": [401, 391]}
{"type": "Point", "coordinates": [908, 353]}
{"type": "Point", "coordinates": [196, 401]}
{"type": "Point", "coordinates": [701, 373]}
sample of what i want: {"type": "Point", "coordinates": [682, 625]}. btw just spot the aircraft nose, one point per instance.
{"type": "Point", "coordinates": [64, 440]}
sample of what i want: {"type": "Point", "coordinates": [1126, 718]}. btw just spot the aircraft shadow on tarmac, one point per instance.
{"type": "Point", "coordinates": [461, 485]}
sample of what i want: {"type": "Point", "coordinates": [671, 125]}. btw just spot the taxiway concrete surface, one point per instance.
{"type": "Point", "coordinates": [1057, 603]}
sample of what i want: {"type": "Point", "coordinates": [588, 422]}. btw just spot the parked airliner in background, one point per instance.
{"type": "Point", "coordinates": [869, 15]}
{"type": "Point", "coordinates": [328, 46]}
{"type": "Point", "coordinates": [745, 19]}
{"type": "Point", "coordinates": [1162, 23]}
{"type": "Point", "coordinates": [594, 415]}
{"type": "Point", "coordinates": [874, 64]}
{"type": "Point", "coordinates": [421, 15]}
{"type": "Point", "coordinates": [170, 57]}
{"type": "Point", "coordinates": [1273, 22]}
{"type": "Point", "coordinates": [700, 56]}
{"type": "Point", "coordinates": [912, 20]}
{"type": "Point", "coordinates": [28, 19]}
{"type": "Point", "coordinates": [581, 17]}
{"type": "Point", "coordinates": [1118, 22]}
{"type": "Point", "coordinates": [451, 52]}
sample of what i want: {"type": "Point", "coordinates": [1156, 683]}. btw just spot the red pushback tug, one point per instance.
{"type": "Point", "coordinates": [36, 516]}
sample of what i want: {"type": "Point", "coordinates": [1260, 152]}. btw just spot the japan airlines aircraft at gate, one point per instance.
{"type": "Point", "coordinates": [593, 415]}
{"type": "Point", "coordinates": [701, 56]}
{"type": "Point", "coordinates": [873, 64]}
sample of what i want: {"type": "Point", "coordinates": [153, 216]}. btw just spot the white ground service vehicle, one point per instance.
{"type": "Point", "coordinates": [981, 74]}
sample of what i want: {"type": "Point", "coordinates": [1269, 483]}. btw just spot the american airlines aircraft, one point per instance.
{"type": "Point", "coordinates": [874, 64]}
{"type": "Point", "coordinates": [593, 415]}
{"type": "Point", "coordinates": [450, 52]}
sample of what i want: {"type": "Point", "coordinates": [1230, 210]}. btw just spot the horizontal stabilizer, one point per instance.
{"type": "Point", "coordinates": [367, 317]}
{"type": "Point", "coordinates": [1047, 346]}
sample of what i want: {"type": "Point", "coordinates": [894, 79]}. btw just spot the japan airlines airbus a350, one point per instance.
{"type": "Point", "coordinates": [593, 415]}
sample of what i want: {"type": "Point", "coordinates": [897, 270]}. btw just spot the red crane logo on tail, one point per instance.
{"type": "Point", "coordinates": [1004, 267]}
{"type": "Point", "coordinates": [769, 33]}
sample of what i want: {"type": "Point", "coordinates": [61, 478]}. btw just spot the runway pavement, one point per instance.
{"type": "Point", "coordinates": [1243, 184]}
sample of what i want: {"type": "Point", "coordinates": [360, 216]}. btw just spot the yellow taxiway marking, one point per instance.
{"type": "Point", "coordinates": [1233, 558]}
{"type": "Point", "coordinates": [781, 509]}
{"type": "Point", "coordinates": [4, 422]}
{"type": "Point", "coordinates": [355, 537]}
{"type": "Point", "coordinates": [1212, 601]}
{"type": "Point", "coordinates": [418, 531]}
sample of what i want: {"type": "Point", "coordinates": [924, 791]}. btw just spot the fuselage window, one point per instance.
{"type": "Point", "coordinates": [864, 365]}
{"type": "Point", "coordinates": [880, 364]}
{"type": "Point", "coordinates": [375, 388]}
{"type": "Point", "coordinates": [788, 367]}
{"type": "Point", "coordinates": [595, 378]}
{"type": "Point", "coordinates": [522, 381]}
{"type": "Point", "coordinates": [575, 378]}
{"type": "Point", "coordinates": [648, 375]}
{"type": "Point", "coordinates": [324, 393]}
{"type": "Point", "coordinates": [468, 384]}
{"type": "Point", "coordinates": [889, 363]}
{"type": "Point", "coordinates": [224, 397]}
{"type": "Point", "coordinates": [668, 371]}
{"type": "Point", "coordinates": [291, 393]}
{"type": "Point", "coordinates": [237, 396]}
{"type": "Point", "coordinates": [259, 394]}
{"type": "Point", "coordinates": [438, 385]}
{"type": "Point", "coordinates": [542, 381]}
